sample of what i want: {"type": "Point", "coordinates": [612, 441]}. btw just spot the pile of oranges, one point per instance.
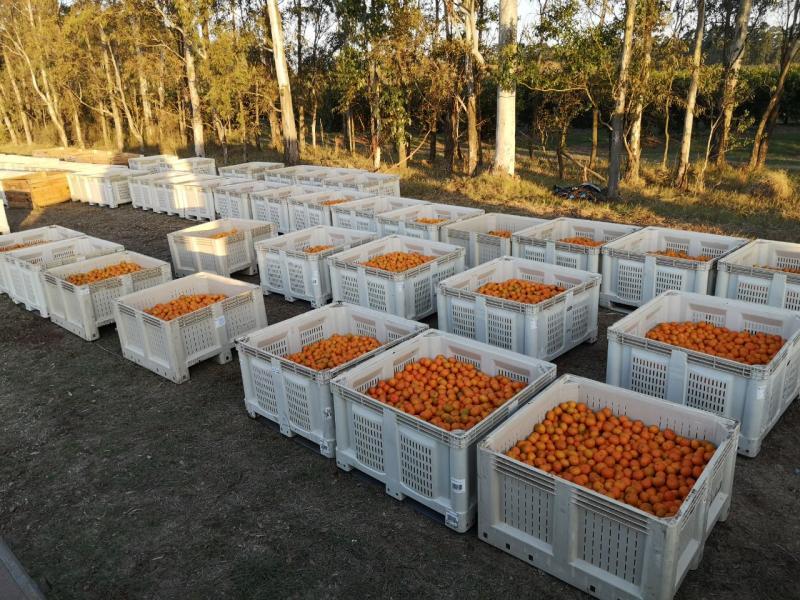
{"type": "Point", "coordinates": [183, 305]}
{"type": "Point", "coordinates": [503, 233]}
{"type": "Point", "coordinates": [446, 392]}
{"type": "Point", "coordinates": [224, 234]}
{"type": "Point", "coordinates": [22, 245]}
{"type": "Point", "coordinates": [334, 351]}
{"type": "Point", "coordinates": [315, 249]}
{"type": "Point", "coordinates": [581, 241]}
{"type": "Point", "coordinates": [682, 255]}
{"type": "Point", "coordinates": [520, 290]}
{"type": "Point", "coordinates": [397, 262]}
{"type": "Point", "coordinates": [641, 465]}
{"type": "Point", "coordinates": [741, 346]}
{"type": "Point", "coordinates": [122, 268]}
{"type": "Point", "coordinates": [429, 221]}
{"type": "Point", "coordinates": [784, 269]}
{"type": "Point", "coordinates": [335, 202]}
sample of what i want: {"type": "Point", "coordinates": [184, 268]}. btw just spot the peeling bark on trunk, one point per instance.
{"type": "Point", "coordinates": [291, 153]}
{"type": "Point", "coordinates": [620, 96]}
{"type": "Point", "coordinates": [682, 174]}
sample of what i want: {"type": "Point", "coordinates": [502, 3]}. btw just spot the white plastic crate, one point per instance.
{"type": "Point", "coordinates": [287, 269]}
{"type": "Point", "coordinates": [602, 546]}
{"type": "Point", "coordinates": [754, 273]}
{"type": "Point", "coordinates": [233, 200]}
{"type": "Point", "coordinates": [272, 204]}
{"type": "Point", "coordinates": [194, 249]}
{"type": "Point", "coordinates": [542, 242]}
{"type": "Point", "coordinates": [320, 175]}
{"type": "Point", "coordinates": [83, 309]}
{"type": "Point", "coordinates": [412, 457]}
{"type": "Point", "coordinates": [473, 234]}
{"type": "Point", "coordinates": [292, 175]}
{"type": "Point", "coordinates": [169, 348]}
{"type": "Point", "coordinates": [195, 164]}
{"type": "Point", "coordinates": [378, 184]}
{"type": "Point", "coordinates": [410, 294]}
{"type": "Point", "coordinates": [143, 191]}
{"type": "Point", "coordinates": [296, 397]}
{"type": "Point", "coordinates": [109, 187]}
{"type": "Point", "coordinates": [632, 274]}
{"type": "Point", "coordinates": [51, 233]}
{"type": "Point", "coordinates": [308, 210]}
{"type": "Point", "coordinates": [197, 196]}
{"type": "Point", "coordinates": [545, 330]}
{"type": "Point", "coordinates": [403, 221]}
{"type": "Point", "coordinates": [250, 169]}
{"type": "Point", "coordinates": [25, 267]}
{"type": "Point", "coordinates": [163, 194]}
{"type": "Point", "coordinates": [360, 214]}
{"type": "Point", "coordinates": [754, 395]}
{"type": "Point", "coordinates": [156, 162]}
{"type": "Point", "coordinates": [174, 191]}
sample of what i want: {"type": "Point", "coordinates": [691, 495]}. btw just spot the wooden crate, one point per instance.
{"type": "Point", "coordinates": [36, 190]}
{"type": "Point", "coordinates": [97, 157]}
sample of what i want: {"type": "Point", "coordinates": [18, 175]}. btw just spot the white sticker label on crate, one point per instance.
{"type": "Point", "coordinates": [459, 486]}
{"type": "Point", "coordinates": [451, 519]}
{"type": "Point", "coordinates": [219, 321]}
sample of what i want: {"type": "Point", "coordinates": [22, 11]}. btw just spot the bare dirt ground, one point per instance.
{"type": "Point", "coordinates": [115, 483]}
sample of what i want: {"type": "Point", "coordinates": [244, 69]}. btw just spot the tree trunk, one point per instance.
{"type": "Point", "coordinates": [451, 136]}
{"type": "Point", "coordinates": [375, 124]}
{"type": "Point", "coordinates": [595, 127]}
{"type": "Point", "coordinates": [560, 153]}
{"type": "Point", "coordinates": [12, 133]}
{"type": "Point", "coordinates": [23, 115]}
{"type": "Point", "coordinates": [402, 150]}
{"type": "Point", "coordinates": [77, 130]}
{"type": "Point", "coordinates": [104, 126]}
{"type": "Point", "coordinates": [667, 104]}
{"type": "Point", "coordinates": [301, 130]}
{"type": "Point", "coordinates": [733, 63]}
{"type": "Point", "coordinates": [314, 124]}
{"type": "Point", "coordinates": [635, 156]}
{"type": "Point", "coordinates": [119, 136]}
{"type": "Point", "coordinates": [291, 151]}
{"type": "Point", "coordinates": [182, 116]}
{"type": "Point", "coordinates": [351, 136]}
{"type": "Point", "coordinates": [243, 128]}
{"type": "Point", "coordinates": [194, 97]}
{"type": "Point", "coordinates": [505, 138]}
{"type": "Point", "coordinates": [682, 174]}
{"type": "Point", "coordinates": [433, 141]}
{"type": "Point", "coordinates": [274, 127]}
{"type": "Point", "coordinates": [470, 91]}
{"type": "Point", "coordinates": [132, 126]}
{"type": "Point", "coordinates": [222, 136]}
{"type": "Point", "coordinates": [758, 156]}
{"type": "Point", "coordinates": [620, 95]}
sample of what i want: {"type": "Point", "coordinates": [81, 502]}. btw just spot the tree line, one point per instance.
{"type": "Point", "coordinates": [439, 79]}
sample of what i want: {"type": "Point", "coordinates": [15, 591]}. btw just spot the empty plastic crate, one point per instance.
{"type": "Point", "coordinates": [602, 546]}
{"type": "Point", "coordinates": [293, 175]}
{"type": "Point", "coordinates": [30, 238]}
{"type": "Point", "coordinates": [233, 200]}
{"type": "Point", "coordinates": [144, 193]}
{"type": "Point", "coordinates": [758, 273]}
{"type": "Point", "coordinates": [543, 242]}
{"type": "Point", "coordinates": [412, 457]}
{"type": "Point", "coordinates": [473, 235]}
{"type": "Point", "coordinates": [379, 184]}
{"type": "Point", "coordinates": [194, 164]}
{"type": "Point", "coordinates": [196, 197]}
{"type": "Point", "coordinates": [411, 293]}
{"type": "Point", "coordinates": [272, 204]}
{"type": "Point", "coordinates": [754, 395]}
{"type": "Point", "coordinates": [308, 210]}
{"type": "Point", "coordinates": [250, 169]}
{"type": "Point", "coordinates": [163, 193]}
{"type": "Point", "coordinates": [544, 330]}
{"type": "Point", "coordinates": [360, 214]}
{"type": "Point", "coordinates": [156, 162]}
{"type": "Point", "coordinates": [296, 397]}
{"type": "Point", "coordinates": [286, 268]}
{"type": "Point", "coordinates": [405, 221]}
{"type": "Point", "coordinates": [83, 309]}
{"type": "Point", "coordinates": [169, 348]}
{"type": "Point", "coordinates": [25, 267]}
{"type": "Point", "coordinates": [205, 248]}
{"type": "Point", "coordinates": [634, 274]}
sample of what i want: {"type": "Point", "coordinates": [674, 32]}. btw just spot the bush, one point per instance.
{"type": "Point", "coordinates": [771, 184]}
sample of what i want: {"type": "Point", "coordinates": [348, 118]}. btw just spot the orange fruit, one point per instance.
{"type": "Point", "coordinates": [334, 351]}
{"type": "Point", "coordinates": [520, 290]}
{"type": "Point", "coordinates": [121, 268]}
